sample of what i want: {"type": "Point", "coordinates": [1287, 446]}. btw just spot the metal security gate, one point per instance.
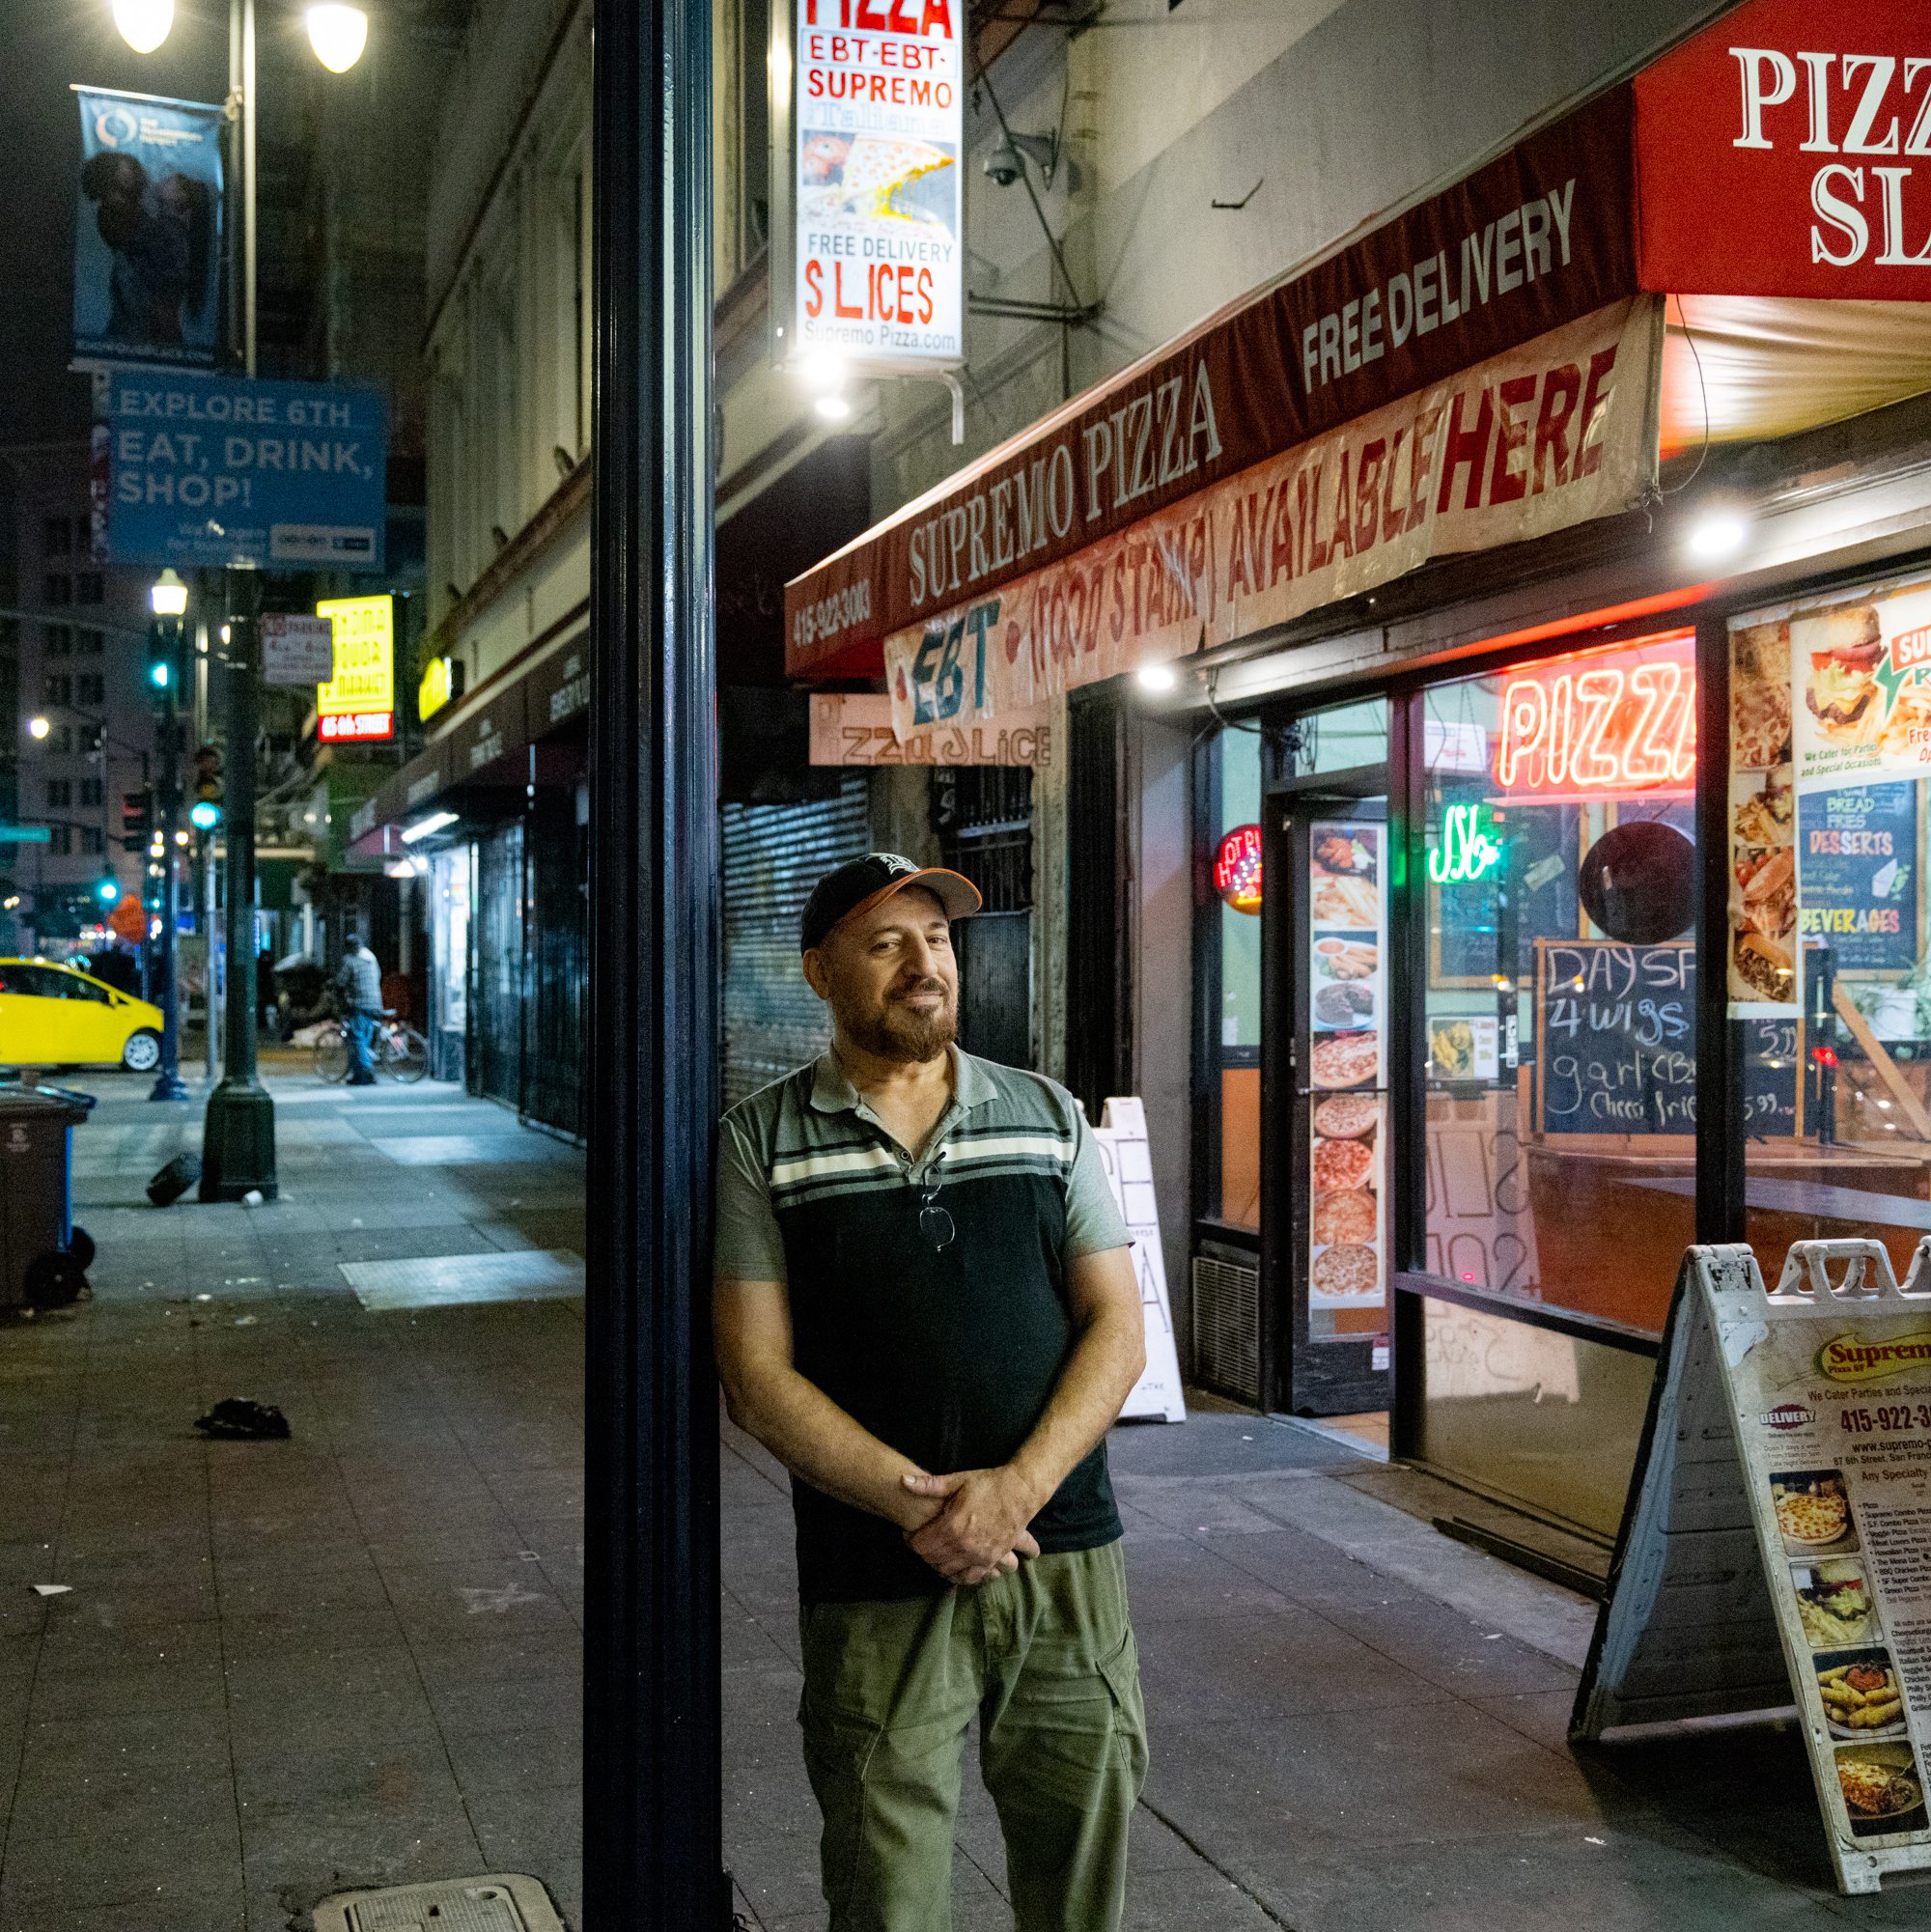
{"type": "Point", "coordinates": [497, 1039]}
{"type": "Point", "coordinates": [555, 1020]}
{"type": "Point", "coordinates": [982, 816]}
{"type": "Point", "coordinates": [774, 856]}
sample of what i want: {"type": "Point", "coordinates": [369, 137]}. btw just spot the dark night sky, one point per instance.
{"type": "Point", "coordinates": [48, 45]}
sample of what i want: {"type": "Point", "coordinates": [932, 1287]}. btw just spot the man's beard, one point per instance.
{"type": "Point", "coordinates": [898, 1032]}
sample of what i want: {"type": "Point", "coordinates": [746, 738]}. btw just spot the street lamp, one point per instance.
{"type": "Point", "coordinates": [38, 727]}
{"type": "Point", "coordinates": [338, 35]}
{"type": "Point", "coordinates": [238, 1133]}
{"type": "Point", "coordinates": [144, 24]}
{"type": "Point", "coordinates": [168, 599]}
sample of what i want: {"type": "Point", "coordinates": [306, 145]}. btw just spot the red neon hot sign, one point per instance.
{"type": "Point", "coordinates": [1622, 724]}
{"type": "Point", "coordinates": [1236, 869]}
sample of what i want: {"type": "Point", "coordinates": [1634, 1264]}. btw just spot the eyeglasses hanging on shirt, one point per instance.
{"type": "Point", "coordinates": [934, 1222]}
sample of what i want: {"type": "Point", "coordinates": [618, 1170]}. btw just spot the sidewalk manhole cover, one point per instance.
{"type": "Point", "coordinates": [448, 1281]}
{"type": "Point", "coordinates": [502, 1902]}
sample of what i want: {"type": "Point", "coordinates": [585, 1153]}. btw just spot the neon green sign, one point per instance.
{"type": "Point", "coordinates": [1466, 852]}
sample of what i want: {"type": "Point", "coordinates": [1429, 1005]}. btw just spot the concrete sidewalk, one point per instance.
{"type": "Point", "coordinates": [289, 1668]}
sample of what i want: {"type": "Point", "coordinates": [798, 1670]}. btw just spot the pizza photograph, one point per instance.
{"type": "Point", "coordinates": [1350, 1215]}
{"type": "Point", "coordinates": [1814, 1512]}
{"type": "Point", "coordinates": [1344, 1061]}
{"type": "Point", "coordinates": [1351, 1271]}
{"type": "Point", "coordinates": [1760, 696]}
{"type": "Point", "coordinates": [1341, 1165]}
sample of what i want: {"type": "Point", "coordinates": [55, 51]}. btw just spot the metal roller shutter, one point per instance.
{"type": "Point", "coordinates": [774, 856]}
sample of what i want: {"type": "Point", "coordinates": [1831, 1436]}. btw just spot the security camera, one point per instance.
{"type": "Point", "coordinates": [1006, 160]}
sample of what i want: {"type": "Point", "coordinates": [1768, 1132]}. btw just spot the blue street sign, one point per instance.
{"type": "Point", "coordinates": [212, 470]}
{"type": "Point", "coordinates": [25, 834]}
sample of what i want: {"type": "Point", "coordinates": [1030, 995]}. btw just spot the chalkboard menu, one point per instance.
{"type": "Point", "coordinates": [1858, 858]}
{"type": "Point", "coordinates": [1615, 1036]}
{"type": "Point", "coordinates": [1542, 845]}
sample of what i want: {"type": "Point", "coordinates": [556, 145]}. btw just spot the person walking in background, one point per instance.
{"type": "Point", "coordinates": [359, 983]}
{"type": "Point", "coordinates": [925, 1308]}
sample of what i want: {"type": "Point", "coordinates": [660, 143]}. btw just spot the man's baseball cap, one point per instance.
{"type": "Point", "coordinates": [862, 883]}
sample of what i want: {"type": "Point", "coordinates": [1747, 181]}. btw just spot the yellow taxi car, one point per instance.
{"type": "Point", "coordinates": [57, 1016]}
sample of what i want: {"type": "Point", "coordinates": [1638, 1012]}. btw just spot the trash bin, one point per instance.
{"type": "Point", "coordinates": [44, 1256]}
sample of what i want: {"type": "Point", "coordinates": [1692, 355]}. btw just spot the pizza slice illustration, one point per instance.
{"type": "Point", "coordinates": [880, 167]}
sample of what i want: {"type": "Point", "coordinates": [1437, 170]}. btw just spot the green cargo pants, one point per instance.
{"type": "Point", "coordinates": [1046, 1658]}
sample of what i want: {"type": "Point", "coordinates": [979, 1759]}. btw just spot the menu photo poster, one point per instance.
{"type": "Point", "coordinates": [1347, 903]}
{"type": "Point", "coordinates": [1765, 958]}
{"type": "Point", "coordinates": [1829, 697]}
{"type": "Point", "coordinates": [1831, 1390]}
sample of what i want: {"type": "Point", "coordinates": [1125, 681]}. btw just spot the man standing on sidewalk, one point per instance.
{"type": "Point", "coordinates": [359, 982]}
{"type": "Point", "coordinates": [925, 1309]}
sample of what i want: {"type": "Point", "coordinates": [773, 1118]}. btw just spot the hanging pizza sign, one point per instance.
{"type": "Point", "coordinates": [1236, 869]}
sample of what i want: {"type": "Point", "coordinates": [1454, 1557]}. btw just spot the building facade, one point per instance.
{"type": "Point", "coordinates": [80, 725]}
{"type": "Point", "coordinates": [1347, 827]}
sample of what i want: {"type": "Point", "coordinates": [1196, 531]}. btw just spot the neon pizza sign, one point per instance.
{"type": "Point", "coordinates": [1236, 869]}
{"type": "Point", "coordinates": [1605, 725]}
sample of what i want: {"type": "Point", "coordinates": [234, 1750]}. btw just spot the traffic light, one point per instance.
{"type": "Point", "coordinates": [205, 811]}
{"type": "Point", "coordinates": [160, 658]}
{"type": "Point", "coordinates": [136, 818]}
{"type": "Point", "coordinates": [108, 890]}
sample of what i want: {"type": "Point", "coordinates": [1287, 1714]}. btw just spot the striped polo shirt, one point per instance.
{"type": "Point", "coordinates": [948, 1350]}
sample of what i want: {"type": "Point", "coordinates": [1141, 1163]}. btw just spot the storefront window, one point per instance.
{"type": "Point", "coordinates": [1346, 738]}
{"type": "Point", "coordinates": [1561, 883]}
{"type": "Point", "coordinates": [1236, 878]}
{"type": "Point", "coordinates": [1829, 969]}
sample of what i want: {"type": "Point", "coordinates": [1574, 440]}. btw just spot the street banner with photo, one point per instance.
{"type": "Point", "coordinates": [297, 650]}
{"type": "Point", "coordinates": [1551, 435]}
{"type": "Point", "coordinates": [212, 472]}
{"type": "Point", "coordinates": [1829, 703]}
{"type": "Point", "coordinates": [146, 257]}
{"type": "Point", "coordinates": [870, 136]}
{"type": "Point", "coordinates": [1781, 1503]}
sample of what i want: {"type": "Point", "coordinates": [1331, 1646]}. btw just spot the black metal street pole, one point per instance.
{"type": "Point", "coordinates": [653, 1832]}
{"type": "Point", "coordinates": [237, 1142]}
{"type": "Point", "coordinates": [168, 1082]}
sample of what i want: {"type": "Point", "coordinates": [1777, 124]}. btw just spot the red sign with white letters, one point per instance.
{"type": "Point", "coordinates": [1786, 151]}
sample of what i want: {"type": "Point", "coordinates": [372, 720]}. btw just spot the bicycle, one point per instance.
{"type": "Point", "coordinates": [397, 1050]}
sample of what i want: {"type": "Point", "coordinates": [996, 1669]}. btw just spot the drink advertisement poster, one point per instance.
{"type": "Point", "coordinates": [1831, 1385]}
{"type": "Point", "coordinates": [873, 131]}
{"type": "Point", "coordinates": [146, 257]}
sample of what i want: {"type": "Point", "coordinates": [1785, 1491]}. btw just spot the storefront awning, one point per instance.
{"type": "Point", "coordinates": [1704, 179]}
{"type": "Point", "coordinates": [486, 748]}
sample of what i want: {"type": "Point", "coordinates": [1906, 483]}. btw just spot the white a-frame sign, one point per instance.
{"type": "Point", "coordinates": [1776, 1543]}
{"type": "Point", "coordinates": [1122, 1134]}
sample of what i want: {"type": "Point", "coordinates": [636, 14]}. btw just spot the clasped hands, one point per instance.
{"type": "Point", "coordinates": [972, 1524]}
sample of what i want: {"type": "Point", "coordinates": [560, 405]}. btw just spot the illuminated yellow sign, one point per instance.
{"type": "Point", "coordinates": [437, 688]}
{"type": "Point", "coordinates": [364, 657]}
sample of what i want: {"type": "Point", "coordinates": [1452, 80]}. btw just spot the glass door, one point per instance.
{"type": "Point", "coordinates": [1336, 1155]}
